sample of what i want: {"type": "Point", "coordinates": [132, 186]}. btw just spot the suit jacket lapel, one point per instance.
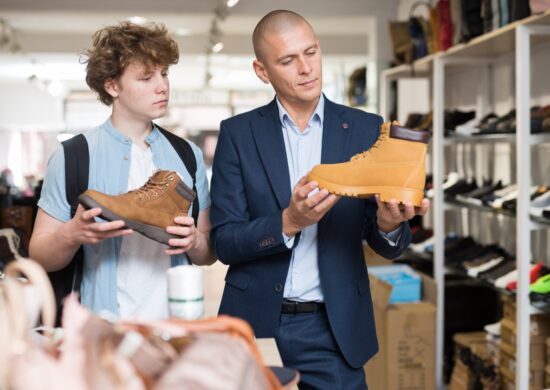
{"type": "Point", "coordinates": [336, 135]}
{"type": "Point", "coordinates": [266, 130]}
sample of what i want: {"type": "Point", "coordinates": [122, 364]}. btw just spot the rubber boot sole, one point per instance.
{"type": "Point", "coordinates": [386, 193]}
{"type": "Point", "coordinates": [152, 232]}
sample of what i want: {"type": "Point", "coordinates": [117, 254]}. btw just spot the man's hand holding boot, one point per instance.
{"type": "Point", "coordinates": [305, 210]}
{"type": "Point", "coordinates": [389, 216]}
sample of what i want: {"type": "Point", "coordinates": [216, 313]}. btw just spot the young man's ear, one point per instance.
{"type": "Point", "coordinates": [111, 87]}
{"type": "Point", "coordinates": [260, 71]}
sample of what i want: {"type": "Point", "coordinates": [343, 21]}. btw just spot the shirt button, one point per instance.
{"type": "Point", "coordinates": [278, 287]}
{"type": "Point", "coordinates": [126, 157]}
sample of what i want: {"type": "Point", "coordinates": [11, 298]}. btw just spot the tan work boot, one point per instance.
{"type": "Point", "coordinates": [393, 167]}
{"type": "Point", "coordinates": [149, 209]}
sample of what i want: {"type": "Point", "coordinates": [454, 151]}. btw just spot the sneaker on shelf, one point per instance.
{"type": "Point", "coordinates": [541, 288]}
{"type": "Point", "coordinates": [537, 270]}
{"type": "Point", "coordinates": [540, 204]}
{"type": "Point", "coordinates": [504, 280]}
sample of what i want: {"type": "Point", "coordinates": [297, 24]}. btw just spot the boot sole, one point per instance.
{"type": "Point", "coordinates": [402, 195]}
{"type": "Point", "coordinates": [149, 231]}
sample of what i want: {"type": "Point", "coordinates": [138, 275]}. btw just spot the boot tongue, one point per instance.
{"type": "Point", "coordinates": [161, 176]}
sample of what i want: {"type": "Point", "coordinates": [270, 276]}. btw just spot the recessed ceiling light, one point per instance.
{"type": "Point", "coordinates": [231, 3]}
{"type": "Point", "coordinates": [218, 46]}
{"type": "Point", "coordinates": [137, 19]}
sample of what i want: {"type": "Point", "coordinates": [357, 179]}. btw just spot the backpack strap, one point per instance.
{"type": "Point", "coordinates": [77, 169]}
{"type": "Point", "coordinates": [77, 163]}
{"type": "Point", "coordinates": [184, 150]}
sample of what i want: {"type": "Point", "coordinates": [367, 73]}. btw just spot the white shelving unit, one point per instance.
{"type": "Point", "coordinates": [519, 38]}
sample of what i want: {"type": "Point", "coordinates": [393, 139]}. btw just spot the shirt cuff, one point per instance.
{"type": "Point", "coordinates": [289, 241]}
{"type": "Point", "coordinates": [392, 237]}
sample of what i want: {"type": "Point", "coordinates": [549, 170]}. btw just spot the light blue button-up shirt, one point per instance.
{"type": "Point", "coordinates": [303, 152]}
{"type": "Point", "coordinates": [110, 154]}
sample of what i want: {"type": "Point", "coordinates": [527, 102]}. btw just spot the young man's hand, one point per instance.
{"type": "Point", "coordinates": [185, 228]}
{"type": "Point", "coordinates": [85, 230]}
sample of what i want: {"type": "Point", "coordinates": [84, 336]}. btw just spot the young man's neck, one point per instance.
{"type": "Point", "coordinates": [135, 129]}
{"type": "Point", "coordinates": [300, 112]}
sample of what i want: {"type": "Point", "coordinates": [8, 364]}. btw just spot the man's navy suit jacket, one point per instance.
{"type": "Point", "coordinates": [251, 187]}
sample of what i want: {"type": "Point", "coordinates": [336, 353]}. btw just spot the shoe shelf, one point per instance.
{"type": "Point", "coordinates": [513, 43]}
{"type": "Point", "coordinates": [537, 222]}
{"type": "Point", "coordinates": [493, 44]}
{"type": "Point", "coordinates": [534, 139]}
{"type": "Point", "coordinates": [536, 307]}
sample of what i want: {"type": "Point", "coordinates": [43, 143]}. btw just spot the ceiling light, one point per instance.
{"type": "Point", "coordinates": [217, 47]}
{"type": "Point", "coordinates": [231, 3]}
{"type": "Point", "coordinates": [181, 32]}
{"type": "Point", "coordinates": [137, 19]}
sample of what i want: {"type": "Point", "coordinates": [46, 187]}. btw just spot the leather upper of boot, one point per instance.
{"type": "Point", "coordinates": [391, 161]}
{"type": "Point", "coordinates": [156, 203]}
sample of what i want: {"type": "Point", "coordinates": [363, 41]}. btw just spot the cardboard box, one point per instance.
{"type": "Point", "coordinates": [536, 379]}
{"type": "Point", "coordinates": [508, 307]}
{"type": "Point", "coordinates": [404, 280]}
{"type": "Point", "coordinates": [461, 377]}
{"type": "Point", "coordinates": [406, 335]}
{"type": "Point", "coordinates": [508, 357]}
{"type": "Point", "coordinates": [536, 353]}
{"type": "Point", "coordinates": [539, 329]}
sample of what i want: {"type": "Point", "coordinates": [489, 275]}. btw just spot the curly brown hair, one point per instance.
{"type": "Point", "coordinates": [115, 47]}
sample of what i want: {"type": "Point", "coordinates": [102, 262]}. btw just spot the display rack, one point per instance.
{"type": "Point", "coordinates": [519, 38]}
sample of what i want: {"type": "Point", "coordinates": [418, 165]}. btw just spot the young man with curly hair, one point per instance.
{"type": "Point", "coordinates": [124, 272]}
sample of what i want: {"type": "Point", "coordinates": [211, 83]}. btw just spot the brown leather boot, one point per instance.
{"type": "Point", "coordinates": [394, 167]}
{"type": "Point", "coordinates": [147, 210]}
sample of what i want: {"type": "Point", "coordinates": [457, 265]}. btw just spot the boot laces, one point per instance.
{"type": "Point", "coordinates": [151, 188]}
{"type": "Point", "coordinates": [383, 135]}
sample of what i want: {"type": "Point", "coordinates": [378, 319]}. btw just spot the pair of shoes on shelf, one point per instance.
{"type": "Point", "coordinates": [540, 204]}
{"type": "Point", "coordinates": [474, 197]}
{"type": "Point", "coordinates": [454, 118]}
{"type": "Point", "coordinates": [510, 281]}
{"type": "Point", "coordinates": [462, 186]}
{"type": "Point", "coordinates": [511, 204]}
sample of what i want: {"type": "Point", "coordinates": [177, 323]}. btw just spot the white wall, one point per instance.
{"type": "Point", "coordinates": [25, 107]}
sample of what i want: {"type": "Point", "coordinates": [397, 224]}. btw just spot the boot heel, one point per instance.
{"type": "Point", "coordinates": [402, 195]}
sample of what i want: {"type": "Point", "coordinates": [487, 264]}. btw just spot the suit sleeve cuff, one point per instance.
{"type": "Point", "coordinates": [392, 237]}
{"type": "Point", "coordinates": [289, 241]}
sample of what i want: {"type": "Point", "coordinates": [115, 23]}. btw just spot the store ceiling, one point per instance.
{"type": "Point", "coordinates": [51, 34]}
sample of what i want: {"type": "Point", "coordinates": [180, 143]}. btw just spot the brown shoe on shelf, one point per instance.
{"type": "Point", "coordinates": [148, 210]}
{"type": "Point", "coordinates": [394, 167]}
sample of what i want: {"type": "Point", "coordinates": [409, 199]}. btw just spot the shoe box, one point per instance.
{"type": "Point", "coordinates": [536, 379]}
{"type": "Point", "coordinates": [468, 347]}
{"type": "Point", "coordinates": [406, 335]}
{"type": "Point", "coordinates": [539, 332]}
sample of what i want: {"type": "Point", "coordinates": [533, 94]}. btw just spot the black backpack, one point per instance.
{"type": "Point", "coordinates": [77, 167]}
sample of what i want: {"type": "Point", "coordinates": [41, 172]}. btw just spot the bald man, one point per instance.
{"type": "Point", "coordinates": [296, 267]}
